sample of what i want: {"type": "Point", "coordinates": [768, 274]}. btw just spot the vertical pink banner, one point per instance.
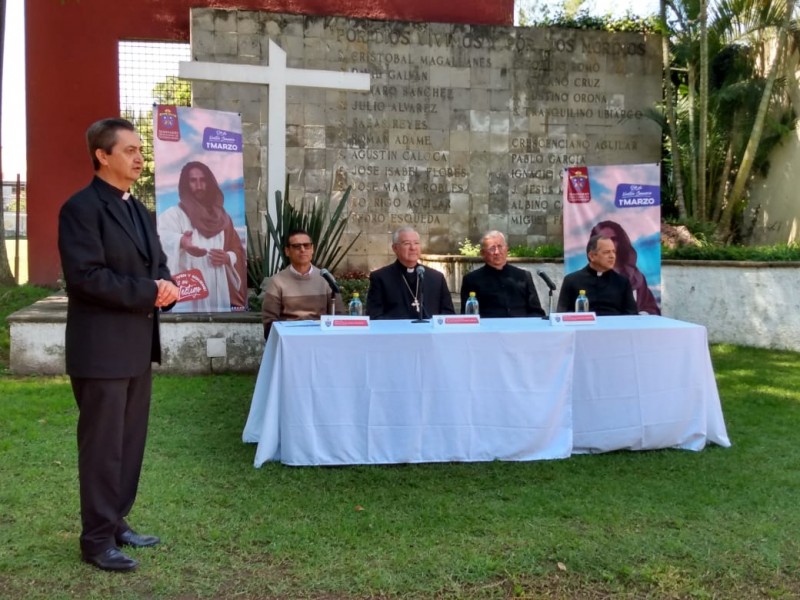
{"type": "Point", "coordinates": [623, 203]}
{"type": "Point", "coordinates": [199, 172]}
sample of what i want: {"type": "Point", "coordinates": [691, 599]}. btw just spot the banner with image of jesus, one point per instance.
{"type": "Point", "coordinates": [199, 177]}
{"type": "Point", "coordinates": [622, 203]}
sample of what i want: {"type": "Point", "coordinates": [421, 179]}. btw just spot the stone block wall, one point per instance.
{"type": "Point", "coordinates": [465, 128]}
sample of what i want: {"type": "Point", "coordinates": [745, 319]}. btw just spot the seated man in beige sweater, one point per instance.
{"type": "Point", "coordinates": [298, 292]}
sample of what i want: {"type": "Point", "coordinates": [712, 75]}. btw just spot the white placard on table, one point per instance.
{"type": "Point", "coordinates": [343, 322]}
{"type": "Point", "coordinates": [455, 321]}
{"type": "Point", "coordinates": [573, 318]}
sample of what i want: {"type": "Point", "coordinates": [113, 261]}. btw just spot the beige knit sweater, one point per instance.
{"type": "Point", "coordinates": [293, 297]}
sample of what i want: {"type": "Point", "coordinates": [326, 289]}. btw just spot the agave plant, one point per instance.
{"type": "Point", "coordinates": [324, 221]}
{"type": "Point", "coordinates": [257, 258]}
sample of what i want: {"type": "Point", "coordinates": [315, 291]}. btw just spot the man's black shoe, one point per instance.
{"type": "Point", "coordinates": [112, 560]}
{"type": "Point", "coordinates": [133, 539]}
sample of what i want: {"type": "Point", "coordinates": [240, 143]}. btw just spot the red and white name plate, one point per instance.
{"type": "Point", "coordinates": [455, 321]}
{"type": "Point", "coordinates": [343, 323]}
{"type": "Point", "coordinates": [572, 318]}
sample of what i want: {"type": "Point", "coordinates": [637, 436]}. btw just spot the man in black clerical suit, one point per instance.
{"type": "Point", "coordinates": [401, 291]}
{"type": "Point", "coordinates": [117, 282]}
{"type": "Point", "coordinates": [502, 290]}
{"type": "Point", "coordinates": [609, 292]}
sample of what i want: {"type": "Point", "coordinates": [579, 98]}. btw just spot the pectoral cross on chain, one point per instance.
{"type": "Point", "coordinates": [415, 304]}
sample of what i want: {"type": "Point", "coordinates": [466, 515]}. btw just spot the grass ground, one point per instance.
{"type": "Point", "coordinates": [721, 523]}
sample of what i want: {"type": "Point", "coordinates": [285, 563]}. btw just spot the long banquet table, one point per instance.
{"type": "Point", "coordinates": [509, 389]}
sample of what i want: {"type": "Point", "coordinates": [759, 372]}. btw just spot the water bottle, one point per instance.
{"type": "Point", "coordinates": [355, 308]}
{"type": "Point", "coordinates": [582, 302]}
{"type": "Point", "coordinates": [471, 306]}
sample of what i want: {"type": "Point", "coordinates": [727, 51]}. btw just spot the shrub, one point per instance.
{"type": "Point", "coordinates": [467, 248]}
{"type": "Point", "coordinates": [776, 253]}
{"type": "Point", "coordinates": [543, 251]}
{"type": "Point", "coordinates": [351, 282]}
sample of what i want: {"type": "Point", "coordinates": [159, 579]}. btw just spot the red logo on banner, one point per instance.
{"type": "Point", "coordinates": [578, 185]}
{"type": "Point", "coordinates": [192, 285]}
{"type": "Point", "coordinates": [167, 126]}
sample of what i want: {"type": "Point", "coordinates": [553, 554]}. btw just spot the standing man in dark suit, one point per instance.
{"type": "Point", "coordinates": [404, 289]}
{"type": "Point", "coordinates": [117, 282]}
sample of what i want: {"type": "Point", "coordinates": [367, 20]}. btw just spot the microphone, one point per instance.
{"type": "Point", "coordinates": [421, 301]}
{"type": "Point", "coordinates": [546, 279]}
{"type": "Point", "coordinates": [326, 275]}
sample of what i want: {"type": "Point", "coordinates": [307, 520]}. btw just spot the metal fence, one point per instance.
{"type": "Point", "coordinates": [14, 209]}
{"type": "Point", "coordinates": [148, 75]}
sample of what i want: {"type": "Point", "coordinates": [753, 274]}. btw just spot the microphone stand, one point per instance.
{"type": "Point", "coordinates": [333, 303]}
{"type": "Point", "coordinates": [421, 312]}
{"type": "Point", "coordinates": [551, 287]}
{"type": "Point", "coordinates": [549, 304]}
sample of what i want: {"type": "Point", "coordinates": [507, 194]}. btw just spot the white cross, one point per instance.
{"type": "Point", "coordinates": [277, 76]}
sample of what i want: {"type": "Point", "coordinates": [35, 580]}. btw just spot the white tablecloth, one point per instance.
{"type": "Point", "coordinates": [644, 382]}
{"type": "Point", "coordinates": [511, 389]}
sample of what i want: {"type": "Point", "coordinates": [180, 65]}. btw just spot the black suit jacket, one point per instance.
{"type": "Point", "coordinates": [506, 292]}
{"type": "Point", "coordinates": [112, 323]}
{"type": "Point", "coordinates": [389, 298]}
{"type": "Point", "coordinates": [609, 293]}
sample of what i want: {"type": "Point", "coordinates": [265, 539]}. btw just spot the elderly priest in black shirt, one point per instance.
{"type": "Point", "coordinates": [502, 290]}
{"type": "Point", "coordinates": [609, 292]}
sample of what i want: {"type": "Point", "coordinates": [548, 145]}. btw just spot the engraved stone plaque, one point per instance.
{"type": "Point", "coordinates": [465, 128]}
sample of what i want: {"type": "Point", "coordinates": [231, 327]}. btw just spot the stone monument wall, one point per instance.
{"type": "Point", "coordinates": [464, 129]}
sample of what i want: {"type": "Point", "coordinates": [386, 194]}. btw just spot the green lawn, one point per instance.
{"type": "Point", "coordinates": [721, 523]}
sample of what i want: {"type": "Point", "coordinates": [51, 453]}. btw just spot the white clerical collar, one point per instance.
{"type": "Point", "coordinates": [126, 195]}
{"type": "Point", "coordinates": [596, 272]}
{"type": "Point", "coordinates": [299, 274]}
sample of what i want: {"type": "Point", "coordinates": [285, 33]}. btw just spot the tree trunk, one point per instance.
{"type": "Point", "coordinates": [743, 175]}
{"type": "Point", "coordinates": [723, 184]}
{"type": "Point", "coordinates": [669, 107]}
{"type": "Point", "coordinates": [793, 85]}
{"type": "Point", "coordinates": [692, 99]}
{"type": "Point", "coordinates": [702, 142]}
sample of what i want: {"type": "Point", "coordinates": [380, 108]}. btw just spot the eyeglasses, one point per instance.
{"type": "Point", "coordinates": [493, 249]}
{"type": "Point", "coordinates": [304, 246]}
